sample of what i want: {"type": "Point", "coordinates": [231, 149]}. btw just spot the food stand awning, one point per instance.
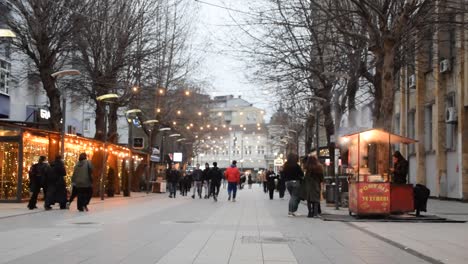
{"type": "Point", "coordinates": [378, 136]}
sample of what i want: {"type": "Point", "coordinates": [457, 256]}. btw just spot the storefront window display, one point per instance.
{"type": "Point", "coordinates": [9, 170]}
{"type": "Point", "coordinates": [34, 146]}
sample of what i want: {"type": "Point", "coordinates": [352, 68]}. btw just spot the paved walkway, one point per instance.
{"type": "Point", "coordinates": [156, 229]}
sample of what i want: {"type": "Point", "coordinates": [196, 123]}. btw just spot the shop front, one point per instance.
{"type": "Point", "coordinates": [20, 148]}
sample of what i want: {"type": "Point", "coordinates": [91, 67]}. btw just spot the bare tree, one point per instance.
{"type": "Point", "coordinates": [43, 30]}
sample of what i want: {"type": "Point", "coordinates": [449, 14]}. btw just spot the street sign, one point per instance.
{"type": "Point", "coordinates": [138, 142]}
{"type": "Point", "coordinates": [278, 162]}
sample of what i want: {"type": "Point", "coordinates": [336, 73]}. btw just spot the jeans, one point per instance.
{"type": "Point", "coordinates": [232, 187]}
{"type": "Point", "coordinates": [293, 189]}
{"type": "Point", "coordinates": [172, 189]}
{"type": "Point", "coordinates": [215, 188]}
{"type": "Point", "coordinates": [197, 188]}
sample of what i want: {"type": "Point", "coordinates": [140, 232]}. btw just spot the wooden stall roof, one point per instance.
{"type": "Point", "coordinates": [378, 136]}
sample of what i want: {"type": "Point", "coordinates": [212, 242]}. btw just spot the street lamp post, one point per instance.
{"type": "Point", "coordinates": [56, 76]}
{"type": "Point", "coordinates": [128, 115]}
{"type": "Point", "coordinates": [106, 99]}
{"type": "Point", "coordinates": [150, 173]}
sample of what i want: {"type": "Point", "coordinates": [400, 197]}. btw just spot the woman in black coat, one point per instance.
{"type": "Point", "coordinates": [271, 177]}
{"type": "Point", "coordinates": [55, 182]}
{"type": "Point", "coordinates": [312, 181]}
{"type": "Point", "coordinates": [281, 183]}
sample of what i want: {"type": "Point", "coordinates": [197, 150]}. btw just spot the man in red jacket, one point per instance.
{"type": "Point", "coordinates": [233, 177]}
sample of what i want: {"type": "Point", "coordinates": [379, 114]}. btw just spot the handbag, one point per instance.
{"type": "Point", "coordinates": [302, 191]}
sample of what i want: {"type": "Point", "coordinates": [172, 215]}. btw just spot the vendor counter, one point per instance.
{"type": "Point", "coordinates": [380, 198]}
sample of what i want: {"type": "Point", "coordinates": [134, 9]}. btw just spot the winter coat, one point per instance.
{"type": "Point", "coordinates": [293, 172]}
{"type": "Point", "coordinates": [55, 182]}
{"type": "Point", "coordinates": [312, 181]}
{"type": "Point", "coordinates": [249, 180]}
{"type": "Point", "coordinates": [400, 171]}
{"type": "Point", "coordinates": [232, 174]}
{"type": "Point", "coordinates": [271, 176]}
{"type": "Point", "coordinates": [206, 175]}
{"type": "Point", "coordinates": [37, 174]}
{"type": "Point", "coordinates": [215, 175]}
{"type": "Point", "coordinates": [82, 174]}
{"type": "Point", "coordinates": [172, 176]}
{"type": "Point", "coordinates": [197, 175]}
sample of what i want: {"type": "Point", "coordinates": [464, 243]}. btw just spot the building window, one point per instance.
{"type": "Point", "coordinates": [397, 124]}
{"type": "Point", "coordinates": [428, 128]}
{"type": "Point", "coordinates": [87, 124]}
{"type": "Point", "coordinates": [451, 128]}
{"type": "Point", "coordinates": [411, 130]}
{"type": "Point", "coordinates": [5, 69]}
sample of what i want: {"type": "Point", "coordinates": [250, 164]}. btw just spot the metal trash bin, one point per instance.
{"type": "Point", "coordinates": [330, 193]}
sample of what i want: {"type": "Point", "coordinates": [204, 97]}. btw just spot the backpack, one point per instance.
{"type": "Point", "coordinates": [33, 172]}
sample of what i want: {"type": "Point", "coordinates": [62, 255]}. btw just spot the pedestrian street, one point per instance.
{"type": "Point", "coordinates": [156, 229]}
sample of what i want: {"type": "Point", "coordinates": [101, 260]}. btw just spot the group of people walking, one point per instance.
{"type": "Point", "coordinates": [51, 178]}
{"type": "Point", "coordinates": [207, 181]}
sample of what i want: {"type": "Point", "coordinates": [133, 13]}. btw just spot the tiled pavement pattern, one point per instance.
{"type": "Point", "coordinates": [156, 229]}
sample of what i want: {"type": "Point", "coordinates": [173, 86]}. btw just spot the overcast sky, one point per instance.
{"type": "Point", "coordinates": [220, 67]}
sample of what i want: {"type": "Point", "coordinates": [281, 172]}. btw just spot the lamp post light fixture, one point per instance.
{"type": "Point", "coordinates": [106, 99]}
{"type": "Point", "coordinates": [7, 33]}
{"type": "Point", "coordinates": [56, 76]}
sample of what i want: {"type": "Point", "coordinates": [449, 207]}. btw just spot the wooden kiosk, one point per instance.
{"type": "Point", "coordinates": [371, 191]}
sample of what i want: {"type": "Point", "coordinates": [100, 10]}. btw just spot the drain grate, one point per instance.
{"type": "Point", "coordinates": [264, 240]}
{"type": "Point", "coordinates": [185, 222]}
{"type": "Point", "coordinates": [275, 240]}
{"type": "Point", "coordinates": [86, 223]}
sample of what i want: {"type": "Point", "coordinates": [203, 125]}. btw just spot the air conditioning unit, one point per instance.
{"type": "Point", "coordinates": [444, 66]}
{"type": "Point", "coordinates": [450, 115]}
{"type": "Point", "coordinates": [412, 81]}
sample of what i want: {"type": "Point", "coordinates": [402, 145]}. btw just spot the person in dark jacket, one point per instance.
{"type": "Point", "coordinates": [82, 179]}
{"type": "Point", "coordinates": [281, 183]}
{"type": "Point", "coordinates": [206, 180]}
{"type": "Point", "coordinates": [312, 181]}
{"type": "Point", "coordinates": [55, 182]}
{"type": "Point", "coordinates": [293, 175]}
{"type": "Point", "coordinates": [216, 176]}
{"type": "Point", "coordinates": [249, 181]}
{"type": "Point", "coordinates": [36, 174]}
{"type": "Point", "coordinates": [173, 177]}
{"type": "Point", "coordinates": [197, 177]}
{"type": "Point", "coordinates": [400, 168]}
{"type": "Point", "coordinates": [271, 177]}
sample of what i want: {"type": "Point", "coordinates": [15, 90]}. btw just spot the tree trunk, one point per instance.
{"type": "Point", "coordinates": [54, 98]}
{"type": "Point", "coordinates": [99, 122]}
{"type": "Point", "coordinates": [385, 110]}
{"type": "Point", "coordinates": [112, 134]}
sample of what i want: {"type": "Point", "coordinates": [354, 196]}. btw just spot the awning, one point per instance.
{"type": "Point", "coordinates": [377, 136]}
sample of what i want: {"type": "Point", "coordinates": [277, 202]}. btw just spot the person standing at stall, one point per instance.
{"type": "Point", "coordinates": [293, 175]}
{"type": "Point", "coordinates": [312, 180]}
{"type": "Point", "coordinates": [400, 168]}
{"type": "Point", "coordinates": [36, 174]}
{"type": "Point", "coordinates": [233, 178]}
{"type": "Point", "coordinates": [55, 182]}
{"type": "Point", "coordinates": [82, 179]}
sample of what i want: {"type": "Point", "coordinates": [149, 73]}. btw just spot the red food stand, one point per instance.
{"type": "Point", "coordinates": [371, 191]}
